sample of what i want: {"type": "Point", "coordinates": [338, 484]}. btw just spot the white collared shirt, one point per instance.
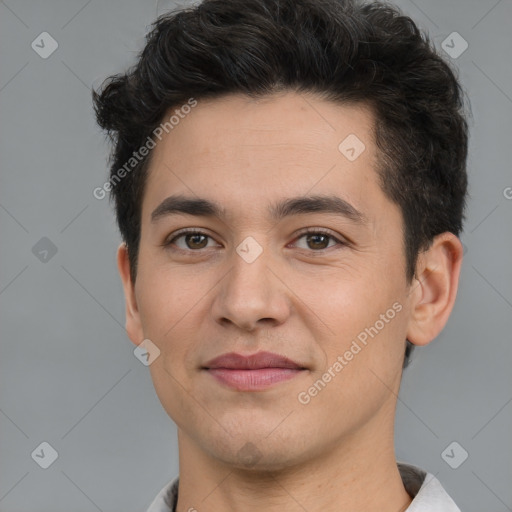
{"type": "Point", "coordinates": [427, 492]}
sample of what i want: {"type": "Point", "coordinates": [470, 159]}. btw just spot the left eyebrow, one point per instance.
{"type": "Point", "coordinates": [317, 204]}
{"type": "Point", "coordinates": [179, 204]}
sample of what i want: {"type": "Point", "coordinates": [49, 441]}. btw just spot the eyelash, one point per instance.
{"type": "Point", "coordinates": [307, 231]}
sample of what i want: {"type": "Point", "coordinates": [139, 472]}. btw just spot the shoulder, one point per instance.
{"type": "Point", "coordinates": [426, 491]}
{"type": "Point", "coordinates": [165, 500]}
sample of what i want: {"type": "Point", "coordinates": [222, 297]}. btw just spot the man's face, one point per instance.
{"type": "Point", "coordinates": [305, 297]}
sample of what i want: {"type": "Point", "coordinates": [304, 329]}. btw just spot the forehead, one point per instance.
{"type": "Point", "coordinates": [246, 151]}
{"type": "Point", "coordinates": [283, 118]}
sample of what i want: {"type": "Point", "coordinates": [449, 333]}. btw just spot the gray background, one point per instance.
{"type": "Point", "coordinates": [68, 375]}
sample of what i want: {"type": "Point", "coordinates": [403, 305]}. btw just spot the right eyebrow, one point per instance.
{"type": "Point", "coordinates": [187, 205]}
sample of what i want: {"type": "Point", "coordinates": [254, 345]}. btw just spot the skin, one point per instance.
{"type": "Point", "coordinates": [305, 300]}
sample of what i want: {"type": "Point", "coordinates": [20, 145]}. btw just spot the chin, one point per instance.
{"type": "Point", "coordinates": [255, 459]}
{"type": "Point", "coordinates": [257, 451]}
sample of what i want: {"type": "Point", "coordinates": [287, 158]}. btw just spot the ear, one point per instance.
{"type": "Point", "coordinates": [434, 288]}
{"type": "Point", "coordinates": [133, 324]}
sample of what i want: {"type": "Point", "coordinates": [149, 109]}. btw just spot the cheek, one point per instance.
{"type": "Point", "coordinates": [170, 318]}
{"type": "Point", "coordinates": [365, 316]}
{"type": "Point", "coordinates": [172, 390]}
{"type": "Point", "coordinates": [165, 294]}
{"type": "Point", "coordinates": [343, 302]}
{"type": "Point", "coordinates": [173, 306]}
{"type": "Point", "coordinates": [363, 364]}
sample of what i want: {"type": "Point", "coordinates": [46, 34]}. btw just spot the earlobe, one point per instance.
{"type": "Point", "coordinates": [434, 288]}
{"type": "Point", "coordinates": [133, 324]}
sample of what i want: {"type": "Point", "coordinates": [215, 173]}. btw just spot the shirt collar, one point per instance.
{"type": "Point", "coordinates": [427, 492]}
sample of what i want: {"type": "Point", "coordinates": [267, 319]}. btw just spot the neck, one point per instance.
{"type": "Point", "coordinates": [358, 472]}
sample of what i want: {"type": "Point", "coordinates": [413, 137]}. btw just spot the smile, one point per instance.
{"type": "Point", "coordinates": [253, 372]}
{"type": "Point", "coordinates": [253, 380]}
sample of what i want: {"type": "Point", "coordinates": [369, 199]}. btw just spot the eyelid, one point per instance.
{"type": "Point", "coordinates": [341, 240]}
{"type": "Point", "coordinates": [185, 231]}
{"type": "Point", "coordinates": [323, 231]}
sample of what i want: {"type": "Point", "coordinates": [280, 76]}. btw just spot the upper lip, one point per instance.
{"type": "Point", "coordinates": [234, 361]}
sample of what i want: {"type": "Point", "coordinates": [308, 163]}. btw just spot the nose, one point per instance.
{"type": "Point", "coordinates": [252, 294]}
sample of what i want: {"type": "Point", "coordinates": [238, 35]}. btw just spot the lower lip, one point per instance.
{"type": "Point", "coordinates": [253, 380]}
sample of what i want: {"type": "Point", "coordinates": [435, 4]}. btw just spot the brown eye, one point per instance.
{"type": "Point", "coordinates": [188, 241]}
{"type": "Point", "coordinates": [196, 241]}
{"type": "Point", "coordinates": [318, 241]}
